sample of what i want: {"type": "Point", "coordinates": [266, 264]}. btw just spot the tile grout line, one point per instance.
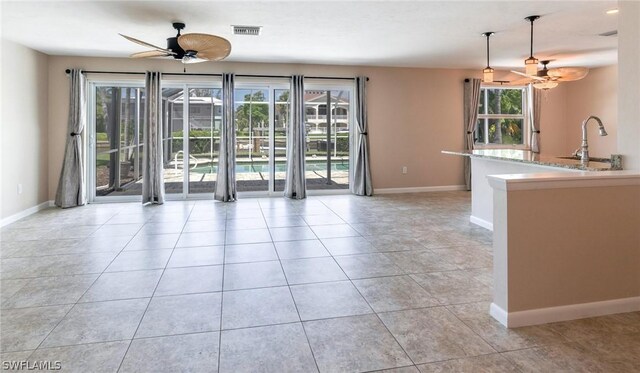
{"type": "Point", "coordinates": [71, 308]}
{"type": "Point", "coordinates": [291, 294]}
{"type": "Point", "coordinates": [372, 310]}
{"type": "Point", "coordinates": [445, 305]}
{"type": "Point", "coordinates": [152, 294]}
{"type": "Point", "coordinates": [224, 256]}
{"type": "Point", "coordinates": [94, 281]}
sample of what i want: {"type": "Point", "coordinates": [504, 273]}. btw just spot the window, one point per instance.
{"type": "Point", "coordinates": [310, 111]}
{"type": "Point", "coordinates": [501, 117]}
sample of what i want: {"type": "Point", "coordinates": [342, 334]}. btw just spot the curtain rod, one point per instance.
{"type": "Point", "coordinates": [205, 74]}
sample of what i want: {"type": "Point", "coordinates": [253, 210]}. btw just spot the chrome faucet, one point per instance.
{"type": "Point", "coordinates": [584, 148]}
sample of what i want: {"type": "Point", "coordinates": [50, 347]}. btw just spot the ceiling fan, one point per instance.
{"type": "Point", "coordinates": [189, 48]}
{"type": "Point", "coordinates": [548, 78]}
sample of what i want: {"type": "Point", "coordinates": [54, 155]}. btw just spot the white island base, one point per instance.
{"type": "Point", "coordinates": [485, 162]}
{"type": "Point", "coordinates": [481, 191]}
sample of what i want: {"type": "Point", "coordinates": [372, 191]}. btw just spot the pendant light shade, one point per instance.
{"type": "Point", "coordinates": [487, 73]}
{"type": "Point", "coordinates": [531, 63]}
{"type": "Point", "coordinates": [531, 66]}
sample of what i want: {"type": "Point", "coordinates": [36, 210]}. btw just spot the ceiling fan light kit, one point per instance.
{"type": "Point", "coordinates": [540, 79]}
{"type": "Point", "coordinates": [188, 48]}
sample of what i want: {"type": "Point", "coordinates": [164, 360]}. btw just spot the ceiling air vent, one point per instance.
{"type": "Point", "coordinates": [247, 30]}
{"type": "Point", "coordinates": [610, 33]}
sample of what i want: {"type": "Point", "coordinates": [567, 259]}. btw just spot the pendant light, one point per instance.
{"type": "Point", "coordinates": [531, 63]}
{"type": "Point", "coordinates": [487, 73]}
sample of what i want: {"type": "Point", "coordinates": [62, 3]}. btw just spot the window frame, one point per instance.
{"type": "Point", "coordinates": [486, 117]}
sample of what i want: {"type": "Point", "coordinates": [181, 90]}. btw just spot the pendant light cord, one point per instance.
{"type": "Point", "coordinates": [531, 19]}
{"type": "Point", "coordinates": [488, 35]}
{"type": "Point", "coordinates": [531, 55]}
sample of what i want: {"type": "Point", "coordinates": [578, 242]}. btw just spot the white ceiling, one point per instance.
{"type": "Point", "coordinates": [445, 34]}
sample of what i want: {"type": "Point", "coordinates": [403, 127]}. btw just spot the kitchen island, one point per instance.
{"type": "Point", "coordinates": [485, 162]}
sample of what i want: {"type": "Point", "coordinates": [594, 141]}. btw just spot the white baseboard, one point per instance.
{"type": "Point", "coordinates": [564, 313]}
{"type": "Point", "coordinates": [481, 222]}
{"type": "Point", "coordinates": [24, 213]}
{"type": "Point", "coordinates": [443, 188]}
{"type": "Point", "coordinates": [499, 314]}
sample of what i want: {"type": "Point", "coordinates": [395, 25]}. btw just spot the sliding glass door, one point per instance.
{"type": "Point", "coordinates": [191, 124]}
{"type": "Point", "coordinates": [262, 116]}
{"type": "Point", "coordinates": [192, 116]}
{"type": "Point", "coordinates": [328, 128]}
{"type": "Point", "coordinates": [116, 140]}
{"type": "Point", "coordinates": [253, 129]}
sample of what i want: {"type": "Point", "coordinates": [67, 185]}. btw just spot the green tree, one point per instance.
{"type": "Point", "coordinates": [284, 96]}
{"type": "Point", "coordinates": [253, 111]}
{"type": "Point", "coordinates": [505, 101]}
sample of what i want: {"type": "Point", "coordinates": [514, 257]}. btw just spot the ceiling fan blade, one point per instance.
{"type": "Point", "coordinates": [212, 55]}
{"type": "Point", "coordinates": [144, 43]}
{"type": "Point", "coordinates": [527, 76]}
{"type": "Point", "coordinates": [568, 74]}
{"type": "Point", "coordinates": [209, 47]}
{"type": "Point", "coordinates": [523, 81]}
{"type": "Point", "coordinates": [148, 54]}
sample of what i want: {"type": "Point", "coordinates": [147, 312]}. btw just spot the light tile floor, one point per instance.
{"type": "Point", "coordinates": [330, 284]}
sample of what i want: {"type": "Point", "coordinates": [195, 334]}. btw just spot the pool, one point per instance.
{"type": "Point", "coordinates": [263, 167]}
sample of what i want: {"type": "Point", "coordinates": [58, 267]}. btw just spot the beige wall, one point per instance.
{"type": "Point", "coordinates": [598, 261]}
{"type": "Point", "coordinates": [413, 113]}
{"type": "Point", "coordinates": [553, 127]}
{"type": "Point", "coordinates": [629, 83]}
{"type": "Point", "coordinates": [597, 94]}
{"type": "Point", "coordinates": [553, 261]}
{"type": "Point", "coordinates": [566, 106]}
{"type": "Point", "coordinates": [24, 128]}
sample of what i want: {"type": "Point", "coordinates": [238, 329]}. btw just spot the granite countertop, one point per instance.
{"type": "Point", "coordinates": [527, 156]}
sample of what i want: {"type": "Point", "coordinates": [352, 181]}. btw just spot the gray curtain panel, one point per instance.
{"type": "Point", "coordinates": [471, 102]}
{"type": "Point", "coordinates": [71, 185]}
{"type": "Point", "coordinates": [362, 173]}
{"type": "Point", "coordinates": [535, 113]}
{"type": "Point", "coordinates": [152, 164]}
{"type": "Point", "coordinates": [295, 181]}
{"type": "Point", "coordinates": [226, 181]}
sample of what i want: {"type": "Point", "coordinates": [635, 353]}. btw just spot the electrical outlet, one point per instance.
{"type": "Point", "coordinates": [404, 169]}
{"type": "Point", "coordinates": [19, 188]}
